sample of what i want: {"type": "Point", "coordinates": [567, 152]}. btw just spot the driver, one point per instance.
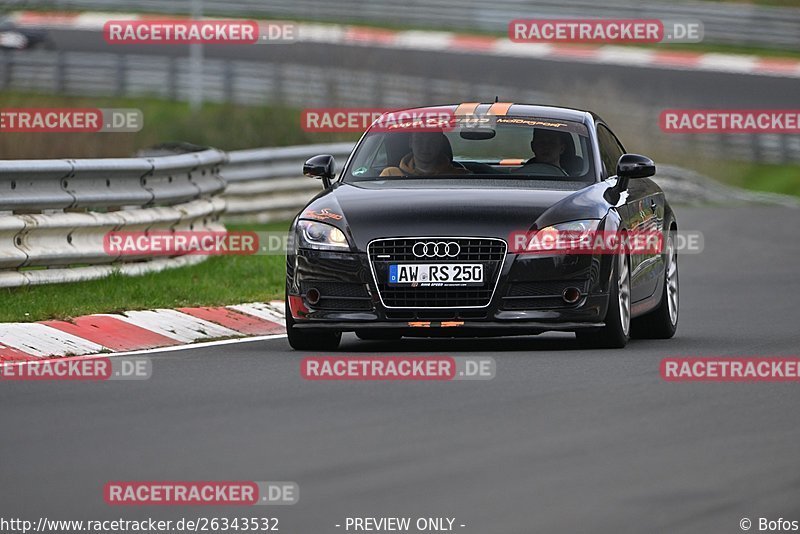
{"type": "Point", "coordinates": [430, 155]}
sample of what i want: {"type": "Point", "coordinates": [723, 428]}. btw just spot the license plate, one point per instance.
{"type": "Point", "coordinates": [436, 274]}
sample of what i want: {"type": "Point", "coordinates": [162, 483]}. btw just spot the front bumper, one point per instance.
{"type": "Point", "coordinates": [359, 306]}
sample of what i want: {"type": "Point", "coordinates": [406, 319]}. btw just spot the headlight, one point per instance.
{"type": "Point", "coordinates": [563, 238]}
{"type": "Point", "coordinates": [576, 229]}
{"type": "Point", "coordinates": [312, 234]}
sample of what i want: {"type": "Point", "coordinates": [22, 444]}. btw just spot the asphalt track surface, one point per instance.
{"type": "Point", "coordinates": [570, 83]}
{"type": "Point", "coordinates": [562, 440]}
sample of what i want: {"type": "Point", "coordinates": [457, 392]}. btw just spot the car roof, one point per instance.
{"type": "Point", "coordinates": [510, 109]}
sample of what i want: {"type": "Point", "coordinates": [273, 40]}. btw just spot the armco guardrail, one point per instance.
{"type": "Point", "coordinates": [728, 23]}
{"type": "Point", "coordinates": [55, 213]}
{"type": "Point", "coordinates": [263, 183]}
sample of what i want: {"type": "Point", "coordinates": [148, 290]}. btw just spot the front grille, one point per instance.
{"type": "Point", "coordinates": [490, 252]}
{"type": "Point", "coordinates": [472, 250]}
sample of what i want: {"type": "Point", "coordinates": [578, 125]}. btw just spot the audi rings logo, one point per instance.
{"type": "Point", "coordinates": [436, 249]}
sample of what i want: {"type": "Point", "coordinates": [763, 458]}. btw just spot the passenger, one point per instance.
{"type": "Point", "coordinates": [431, 154]}
{"type": "Point", "coordinates": [547, 146]}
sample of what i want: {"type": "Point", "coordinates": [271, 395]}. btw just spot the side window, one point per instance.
{"type": "Point", "coordinates": [381, 158]}
{"type": "Point", "coordinates": [371, 157]}
{"type": "Point", "coordinates": [610, 149]}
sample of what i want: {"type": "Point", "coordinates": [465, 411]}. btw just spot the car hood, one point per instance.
{"type": "Point", "coordinates": [369, 213]}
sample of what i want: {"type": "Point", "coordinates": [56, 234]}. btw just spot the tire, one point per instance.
{"type": "Point", "coordinates": [374, 334]}
{"type": "Point", "coordinates": [616, 333]}
{"type": "Point", "coordinates": [310, 339]}
{"type": "Point", "coordinates": [662, 322]}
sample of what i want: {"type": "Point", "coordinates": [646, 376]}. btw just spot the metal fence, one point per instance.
{"type": "Point", "coordinates": [303, 86]}
{"type": "Point", "coordinates": [54, 214]}
{"type": "Point", "coordinates": [263, 184]}
{"type": "Point", "coordinates": [728, 23]}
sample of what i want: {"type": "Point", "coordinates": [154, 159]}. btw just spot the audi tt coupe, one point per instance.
{"type": "Point", "coordinates": [428, 231]}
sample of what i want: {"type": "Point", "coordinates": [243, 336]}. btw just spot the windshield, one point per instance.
{"type": "Point", "coordinates": [527, 150]}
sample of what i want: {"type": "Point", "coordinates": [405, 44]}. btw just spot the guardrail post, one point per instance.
{"type": "Point", "coordinates": [279, 83]}
{"type": "Point", "coordinates": [173, 78]}
{"type": "Point", "coordinates": [8, 67]}
{"type": "Point", "coordinates": [122, 74]}
{"type": "Point", "coordinates": [229, 78]}
{"type": "Point", "coordinates": [61, 72]}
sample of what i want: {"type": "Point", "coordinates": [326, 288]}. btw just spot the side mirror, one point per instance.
{"type": "Point", "coordinates": [633, 166]}
{"type": "Point", "coordinates": [323, 166]}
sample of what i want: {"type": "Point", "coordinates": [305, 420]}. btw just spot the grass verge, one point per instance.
{"type": "Point", "coordinates": [225, 126]}
{"type": "Point", "coordinates": [220, 280]}
{"type": "Point", "coordinates": [784, 179]}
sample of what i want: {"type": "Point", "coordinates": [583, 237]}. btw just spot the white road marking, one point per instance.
{"type": "Point", "coordinates": [728, 63]}
{"type": "Point", "coordinates": [623, 55]}
{"type": "Point", "coordinates": [423, 40]}
{"type": "Point", "coordinates": [504, 47]}
{"type": "Point", "coordinates": [324, 33]}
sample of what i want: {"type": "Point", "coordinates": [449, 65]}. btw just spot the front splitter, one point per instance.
{"type": "Point", "coordinates": [455, 328]}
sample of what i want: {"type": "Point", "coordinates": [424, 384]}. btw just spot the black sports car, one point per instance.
{"type": "Point", "coordinates": [13, 37]}
{"type": "Point", "coordinates": [428, 231]}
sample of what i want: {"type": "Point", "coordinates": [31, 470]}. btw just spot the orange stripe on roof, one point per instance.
{"type": "Point", "coordinates": [499, 108]}
{"type": "Point", "coordinates": [467, 108]}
